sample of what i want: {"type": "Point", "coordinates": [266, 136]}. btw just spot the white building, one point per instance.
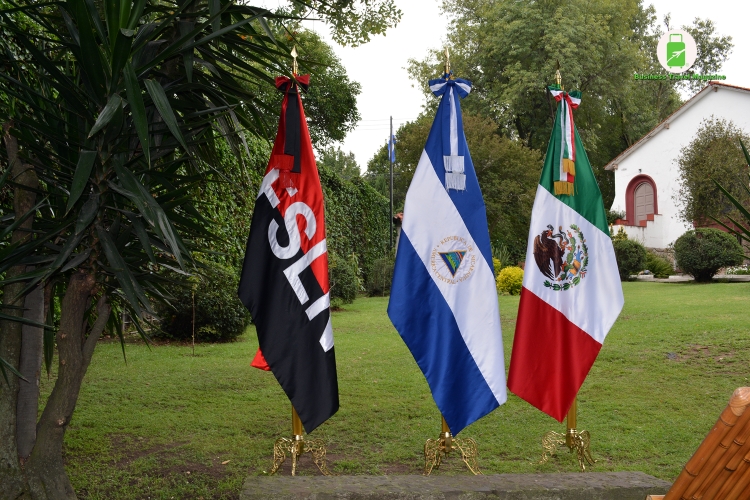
{"type": "Point", "coordinates": [647, 174]}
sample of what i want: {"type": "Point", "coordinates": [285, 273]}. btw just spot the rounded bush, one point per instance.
{"type": "Point", "coordinates": [702, 252]}
{"type": "Point", "coordinates": [510, 280]}
{"type": "Point", "coordinates": [219, 314]}
{"type": "Point", "coordinates": [631, 257]}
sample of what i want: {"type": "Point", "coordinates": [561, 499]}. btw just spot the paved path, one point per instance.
{"type": "Point", "coordinates": [570, 486]}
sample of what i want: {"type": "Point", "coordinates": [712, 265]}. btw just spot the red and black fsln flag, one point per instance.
{"type": "Point", "coordinates": [284, 282]}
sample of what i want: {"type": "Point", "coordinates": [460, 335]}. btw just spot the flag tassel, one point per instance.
{"type": "Point", "coordinates": [562, 187]}
{"type": "Point", "coordinates": [569, 166]}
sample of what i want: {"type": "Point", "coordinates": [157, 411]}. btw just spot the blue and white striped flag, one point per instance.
{"type": "Point", "coordinates": [392, 149]}
{"type": "Point", "coordinates": [443, 297]}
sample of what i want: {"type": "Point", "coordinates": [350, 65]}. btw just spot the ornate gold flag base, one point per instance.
{"type": "Point", "coordinates": [297, 446]}
{"type": "Point", "coordinates": [575, 440]}
{"type": "Point", "coordinates": [435, 449]}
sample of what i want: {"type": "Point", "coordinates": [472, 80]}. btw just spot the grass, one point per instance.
{"type": "Point", "coordinates": [172, 425]}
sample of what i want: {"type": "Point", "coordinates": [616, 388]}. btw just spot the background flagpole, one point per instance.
{"type": "Point", "coordinates": [391, 157]}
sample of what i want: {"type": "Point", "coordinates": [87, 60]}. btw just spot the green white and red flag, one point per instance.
{"type": "Point", "coordinates": [571, 292]}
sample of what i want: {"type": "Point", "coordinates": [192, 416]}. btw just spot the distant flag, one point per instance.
{"type": "Point", "coordinates": [571, 293]}
{"type": "Point", "coordinates": [284, 279]}
{"type": "Point", "coordinates": [392, 149]}
{"type": "Point", "coordinates": [443, 298]}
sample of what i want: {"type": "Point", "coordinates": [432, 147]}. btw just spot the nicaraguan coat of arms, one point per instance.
{"type": "Point", "coordinates": [562, 256]}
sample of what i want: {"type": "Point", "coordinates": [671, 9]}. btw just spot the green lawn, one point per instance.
{"type": "Point", "coordinates": [168, 424]}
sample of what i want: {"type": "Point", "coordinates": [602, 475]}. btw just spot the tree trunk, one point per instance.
{"type": "Point", "coordinates": [45, 469]}
{"type": "Point", "coordinates": [32, 338]}
{"type": "Point", "coordinates": [11, 475]}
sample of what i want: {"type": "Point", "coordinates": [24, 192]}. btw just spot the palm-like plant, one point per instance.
{"type": "Point", "coordinates": [115, 107]}
{"type": "Point", "coordinates": [739, 229]}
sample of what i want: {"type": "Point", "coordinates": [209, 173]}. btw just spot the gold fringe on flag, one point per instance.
{"type": "Point", "coordinates": [562, 187]}
{"type": "Point", "coordinates": [569, 166]}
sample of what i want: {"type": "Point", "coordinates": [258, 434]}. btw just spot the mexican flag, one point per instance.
{"type": "Point", "coordinates": [571, 292]}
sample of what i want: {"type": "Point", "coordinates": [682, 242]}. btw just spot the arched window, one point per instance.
{"type": "Point", "coordinates": [640, 199]}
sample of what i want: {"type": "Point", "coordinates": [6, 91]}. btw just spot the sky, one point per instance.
{"type": "Point", "coordinates": [380, 65]}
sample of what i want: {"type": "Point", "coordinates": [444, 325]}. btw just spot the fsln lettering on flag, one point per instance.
{"type": "Point", "coordinates": [284, 282]}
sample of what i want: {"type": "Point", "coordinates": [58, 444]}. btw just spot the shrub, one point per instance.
{"type": "Point", "coordinates": [621, 235]}
{"type": "Point", "coordinates": [502, 255]}
{"type": "Point", "coordinates": [219, 314]}
{"type": "Point", "coordinates": [379, 281]}
{"type": "Point", "coordinates": [345, 279]}
{"type": "Point", "coordinates": [702, 252]}
{"type": "Point", "coordinates": [659, 266]}
{"type": "Point", "coordinates": [613, 215]}
{"type": "Point", "coordinates": [510, 280]}
{"type": "Point", "coordinates": [497, 265]}
{"type": "Point", "coordinates": [631, 257]}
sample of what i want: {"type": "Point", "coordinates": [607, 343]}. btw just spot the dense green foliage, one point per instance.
{"type": "Point", "coordinates": [345, 279]}
{"type": "Point", "coordinates": [658, 266]}
{"type": "Point", "coordinates": [714, 155]}
{"type": "Point", "coordinates": [381, 276]}
{"type": "Point", "coordinates": [630, 256]}
{"type": "Point", "coordinates": [508, 175]}
{"type": "Point", "coordinates": [357, 220]}
{"type": "Point", "coordinates": [510, 49]}
{"type": "Point", "coordinates": [509, 280]}
{"type": "Point", "coordinates": [211, 294]}
{"type": "Point", "coordinates": [351, 21]}
{"type": "Point", "coordinates": [228, 199]}
{"type": "Point", "coordinates": [702, 252]}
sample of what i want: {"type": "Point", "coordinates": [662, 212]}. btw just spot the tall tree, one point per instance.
{"type": "Point", "coordinates": [343, 164]}
{"type": "Point", "coordinates": [113, 110]}
{"type": "Point", "coordinates": [713, 156]}
{"type": "Point", "coordinates": [510, 50]}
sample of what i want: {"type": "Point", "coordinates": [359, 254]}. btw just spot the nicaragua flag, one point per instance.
{"type": "Point", "coordinates": [571, 293]}
{"type": "Point", "coordinates": [392, 149]}
{"type": "Point", "coordinates": [443, 298]}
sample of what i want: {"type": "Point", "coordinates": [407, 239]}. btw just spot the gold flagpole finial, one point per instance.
{"type": "Point", "coordinates": [295, 69]}
{"type": "Point", "coordinates": [558, 76]}
{"type": "Point", "coordinates": [447, 62]}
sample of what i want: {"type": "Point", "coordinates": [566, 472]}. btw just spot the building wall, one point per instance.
{"type": "Point", "coordinates": [657, 158]}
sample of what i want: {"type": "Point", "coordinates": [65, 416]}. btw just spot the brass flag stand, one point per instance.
{"type": "Point", "coordinates": [436, 449]}
{"type": "Point", "coordinates": [573, 439]}
{"type": "Point", "coordinates": [298, 445]}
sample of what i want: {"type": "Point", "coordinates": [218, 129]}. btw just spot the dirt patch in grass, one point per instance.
{"type": "Point", "coordinates": [172, 462]}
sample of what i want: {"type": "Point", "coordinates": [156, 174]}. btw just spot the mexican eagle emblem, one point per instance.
{"type": "Point", "coordinates": [561, 256]}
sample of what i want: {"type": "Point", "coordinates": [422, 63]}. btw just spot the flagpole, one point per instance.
{"type": "Point", "coordinates": [574, 439]}
{"type": "Point", "coordinates": [319, 402]}
{"type": "Point", "coordinates": [436, 449]}
{"type": "Point", "coordinates": [298, 445]}
{"type": "Point", "coordinates": [391, 145]}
